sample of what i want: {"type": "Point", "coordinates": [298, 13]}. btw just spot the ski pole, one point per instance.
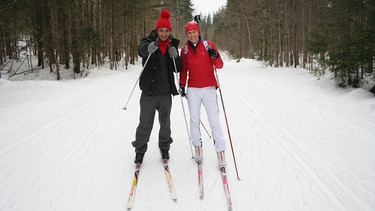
{"type": "Point", "coordinates": [205, 129]}
{"type": "Point", "coordinates": [226, 121]}
{"type": "Point", "coordinates": [131, 94]}
{"type": "Point", "coordinates": [183, 109]}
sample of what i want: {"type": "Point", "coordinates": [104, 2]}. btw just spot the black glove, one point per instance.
{"type": "Point", "coordinates": [182, 91]}
{"type": "Point", "coordinates": [172, 52]}
{"type": "Point", "coordinates": [212, 52]}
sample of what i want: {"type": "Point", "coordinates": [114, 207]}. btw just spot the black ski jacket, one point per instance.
{"type": "Point", "coordinates": [149, 77]}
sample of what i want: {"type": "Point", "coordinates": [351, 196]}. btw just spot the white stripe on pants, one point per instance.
{"type": "Point", "coordinates": [206, 96]}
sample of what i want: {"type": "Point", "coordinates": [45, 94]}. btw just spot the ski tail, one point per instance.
{"type": "Point", "coordinates": [134, 186]}
{"type": "Point", "coordinates": [200, 180]}
{"type": "Point", "coordinates": [169, 179]}
{"type": "Point", "coordinates": [226, 188]}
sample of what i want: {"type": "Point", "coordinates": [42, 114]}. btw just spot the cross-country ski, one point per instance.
{"type": "Point", "coordinates": [226, 188]}
{"type": "Point", "coordinates": [200, 179]}
{"type": "Point", "coordinates": [169, 180]}
{"type": "Point", "coordinates": [133, 186]}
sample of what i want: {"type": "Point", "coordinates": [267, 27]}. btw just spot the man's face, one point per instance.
{"type": "Point", "coordinates": [163, 33]}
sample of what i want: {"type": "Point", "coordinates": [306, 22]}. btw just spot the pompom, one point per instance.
{"type": "Point", "coordinates": [164, 21]}
{"type": "Point", "coordinates": [165, 14]}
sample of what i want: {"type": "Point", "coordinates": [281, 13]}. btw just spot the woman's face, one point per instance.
{"type": "Point", "coordinates": [193, 36]}
{"type": "Point", "coordinates": [163, 33]}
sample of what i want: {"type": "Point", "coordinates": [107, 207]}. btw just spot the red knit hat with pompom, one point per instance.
{"type": "Point", "coordinates": [164, 21]}
{"type": "Point", "coordinates": [192, 25]}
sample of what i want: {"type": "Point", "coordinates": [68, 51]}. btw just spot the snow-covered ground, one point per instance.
{"type": "Point", "coordinates": [300, 144]}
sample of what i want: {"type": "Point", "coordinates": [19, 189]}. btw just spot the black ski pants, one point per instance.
{"type": "Point", "coordinates": [148, 107]}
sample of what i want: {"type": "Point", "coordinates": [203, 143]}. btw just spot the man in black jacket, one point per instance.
{"type": "Point", "coordinates": [157, 85]}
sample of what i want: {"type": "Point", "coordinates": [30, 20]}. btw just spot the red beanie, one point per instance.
{"type": "Point", "coordinates": [163, 21]}
{"type": "Point", "coordinates": [192, 25]}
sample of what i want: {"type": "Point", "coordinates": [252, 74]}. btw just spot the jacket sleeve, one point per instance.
{"type": "Point", "coordinates": [178, 64]}
{"type": "Point", "coordinates": [143, 45]}
{"type": "Point", "coordinates": [142, 48]}
{"type": "Point", "coordinates": [218, 63]}
{"type": "Point", "coordinates": [175, 43]}
{"type": "Point", "coordinates": [183, 73]}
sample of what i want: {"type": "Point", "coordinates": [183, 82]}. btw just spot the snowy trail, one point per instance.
{"type": "Point", "coordinates": [66, 145]}
{"type": "Point", "coordinates": [292, 147]}
{"type": "Point", "coordinates": [44, 154]}
{"type": "Point", "coordinates": [286, 143]}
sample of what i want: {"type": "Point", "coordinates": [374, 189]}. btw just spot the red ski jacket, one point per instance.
{"type": "Point", "coordinates": [198, 67]}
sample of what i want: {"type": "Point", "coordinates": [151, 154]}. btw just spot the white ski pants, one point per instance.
{"type": "Point", "coordinates": [208, 98]}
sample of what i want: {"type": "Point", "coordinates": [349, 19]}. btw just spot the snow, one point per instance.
{"type": "Point", "coordinates": [300, 144]}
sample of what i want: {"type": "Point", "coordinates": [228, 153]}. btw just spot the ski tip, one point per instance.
{"type": "Point", "coordinates": [124, 108]}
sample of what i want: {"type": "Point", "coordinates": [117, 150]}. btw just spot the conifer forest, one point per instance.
{"type": "Point", "coordinates": [336, 36]}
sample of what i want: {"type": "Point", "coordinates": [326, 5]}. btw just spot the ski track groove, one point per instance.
{"type": "Point", "coordinates": [40, 138]}
{"type": "Point", "coordinates": [289, 143]}
{"type": "Point", "coordinates": [294, 156]}
{"type": "Point", "coordinates": [54, 124]}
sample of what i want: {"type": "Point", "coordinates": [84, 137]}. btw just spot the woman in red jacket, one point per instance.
{"type": "Point", "coordinates": [200, 59]}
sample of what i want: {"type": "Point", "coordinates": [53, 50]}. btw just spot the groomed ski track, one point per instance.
{"type": "Point", "coordinates": [69, 149]}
